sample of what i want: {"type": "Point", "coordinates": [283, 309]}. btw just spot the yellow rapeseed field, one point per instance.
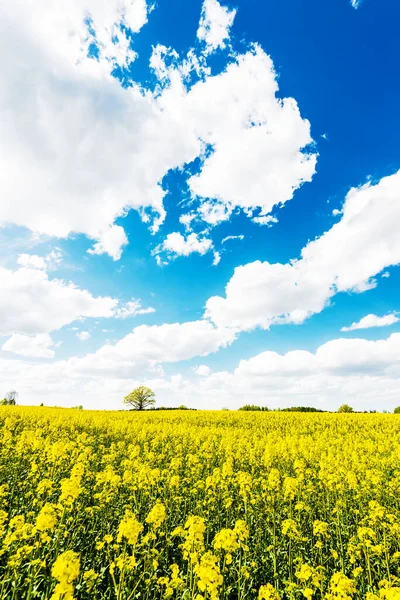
{"type": "Point", "coordinates": [198, 505]}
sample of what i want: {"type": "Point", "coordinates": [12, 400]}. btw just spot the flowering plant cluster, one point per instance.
{"type": "Point", "coordinates": [198, 506]}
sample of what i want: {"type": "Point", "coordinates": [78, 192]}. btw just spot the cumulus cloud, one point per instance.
{"type": "Point", "coordinates": [36, 346]}
{"type": "Point", "coordinates": [48, 262]}
{"type": "Point", "coordinates": [88, 148]}
{"type": "Point", "coordinates": [83, 336]}
{"type": "Point", "coordinates": [355, 3]}
{"type": "Point", "coordinates": [344, 259]}
{"type": "Point", "coordinates": [133, 359]}
{"type": "Point", "coordinates": [91, 150]}
{"type": "Point", "coordinates": [217, 258]}
{"type": "Point", "coordinates": [361, 372]}
{"type": "Point", "coordinates": [148, 346]}
{"type": "Point", "coordinates": [111, 242]}
{"type": "Point", "coordinates": [215, 23]}
{"type": "Point", "coordinates": [259, 130]}
{"type": "Point", "coordinates": [32, 303]}
{"type": "Point", "coordinates": [372, 321]}
{"type": "Point", "coordinates": [268, 220]}
{"type": "Point", "coordinates": [202, 370]}
{"type": "Point", "coordinates": [175, 244]}
{"type": "Point", "coordinates": [131, 309]}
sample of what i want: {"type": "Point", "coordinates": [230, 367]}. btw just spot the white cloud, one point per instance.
{"type": "Point", "coordinates": [202, 370]}
{"type": "Point", "coordinates": [258, 144]}
{"type": "Point", "coordinates": [131, 309]}
{"type": "Point", "coordinates": [37, 346]}
{"type": "Point", "coordinates": [372, 321]}
{"type": "Point", "coordinates": [91, 150]}
{"type": "Point", "coordinates": [228, 238]}
{"type": "Point", "coordinates": [111, 242]}
{"type": "Point", "coordinates": [364, 373]}
{"type": "Point", "coordinates": [336, 212]}
{"type": "Point", "coordinates": [175, 244]}
{"type": "Point", "coordinates": [268, 220]}
{"type": "Point", "coordinates": [385, 274]}
{"type": "Point", "coordinates": [45, 263]}
{"type": "Point", "coordinates": [215, 23]}
{"type": "Point", "coordinates": [262, 294]}
{"type": "Point", "coordinates": [148, 346]}
{"type": "Point", "coordinates": [217, 258]}
{"type": "Point", "coordinates": [83, 336]}
{"type": "Point", "coordinates": [186, 220]}
{"type": "Point", "coordinates": [31, 303]}
{"type": "Point", "coordinates": [355, 3]}
{"type": "Point", "coordinates": [32, 261]}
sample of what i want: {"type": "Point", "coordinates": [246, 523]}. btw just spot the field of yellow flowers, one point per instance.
{"type": "Point", "coordinates": [198, 505]}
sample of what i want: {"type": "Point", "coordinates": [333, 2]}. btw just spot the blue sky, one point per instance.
{"type": "Point", "coordinates": [200, 197]}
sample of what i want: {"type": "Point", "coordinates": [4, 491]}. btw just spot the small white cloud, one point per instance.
{"type": "Point", "coordinates": [186, 220]}
{"type": "Point", "coordinates": [268, 220]}
{"type": "Point", "coordinates": [175, 244]}
{"type": "Point", "coordinates": [355, 3]}
{"type": "Point", "coordinates": [336, 212]}
{"type": "Point", "coordinates": [43, 263]}
{"type": "Point", "coordinates": [217, 258]}
{"type": "Point", "coordinates": [372, 321]}
{"type": "Point", "coordinates": [83, 336]}
{"type": "Point", "coordinates": [160, 262]}
{"type": "Point", "coordinates": [215, 23]}
{"type": "Point", "coordinates": [232, 237]}
{"type": "Point", "coordinates": [37, 346]}
{"type": "Point", "coordinates": [385, 274]}
{"type": "Point", "coordinates": [131, 309]}
{"type": "Point", "coordinates": [202, 370]}
{"type": "Point", "coordinates": [111, 242]}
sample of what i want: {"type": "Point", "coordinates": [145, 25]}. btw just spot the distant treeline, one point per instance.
{"type": "Point", "coordinates": [291, 409]}
{"type": "Point", "coordinates": [183, 407]}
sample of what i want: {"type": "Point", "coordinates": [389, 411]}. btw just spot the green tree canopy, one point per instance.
{"type": "Point", "coordinates": [10, 399]}
{"type": "Point", "coordinates": [397, 410]}
{"type": "Point", "coordinates": [252, 407]}
{"type": "Point", "coordinates": [345, 408]}
{"type": "Point", "coordinates": [140, 398]}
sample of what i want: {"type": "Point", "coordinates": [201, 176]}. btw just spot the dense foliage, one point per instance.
{"type": "Point", "coordinates": [198, 505]}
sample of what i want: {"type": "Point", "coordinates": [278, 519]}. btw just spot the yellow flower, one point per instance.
{"type": "Point", "coordinates": [129, 528]}
{"type": "Point", "coordinates": [47, 518]}
{"type": "Point", "coordinates": [156, 516]}
{"type": "Point", "coordinates": [289, 528]}
{"type": "Point", "coordinates": [90, 577]}
{"type": "Point", "coordinates": [209, 575]}
{"type": "Point", "coordinates": [66, 567]}
{"type": "Point", "coordinates": [268, 592]}
{"type": "Point", "coordinates": [341, 587]}
{"type": "Point", "coordinates": [320, 528]}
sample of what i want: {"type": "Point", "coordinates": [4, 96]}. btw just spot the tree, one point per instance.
{"type": "Point", "coordinates": [397, 410]}
{"type": "Point", "coordinates": [345, 408]}
{"type": "Point", "coordinates": [10, 399]}
{"type": "Point", "coordinates": [140, 398]}
{"type": "Point", "coordinates": [251, 407]}
{"type": "Point", "coordinates": [301, 409]}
